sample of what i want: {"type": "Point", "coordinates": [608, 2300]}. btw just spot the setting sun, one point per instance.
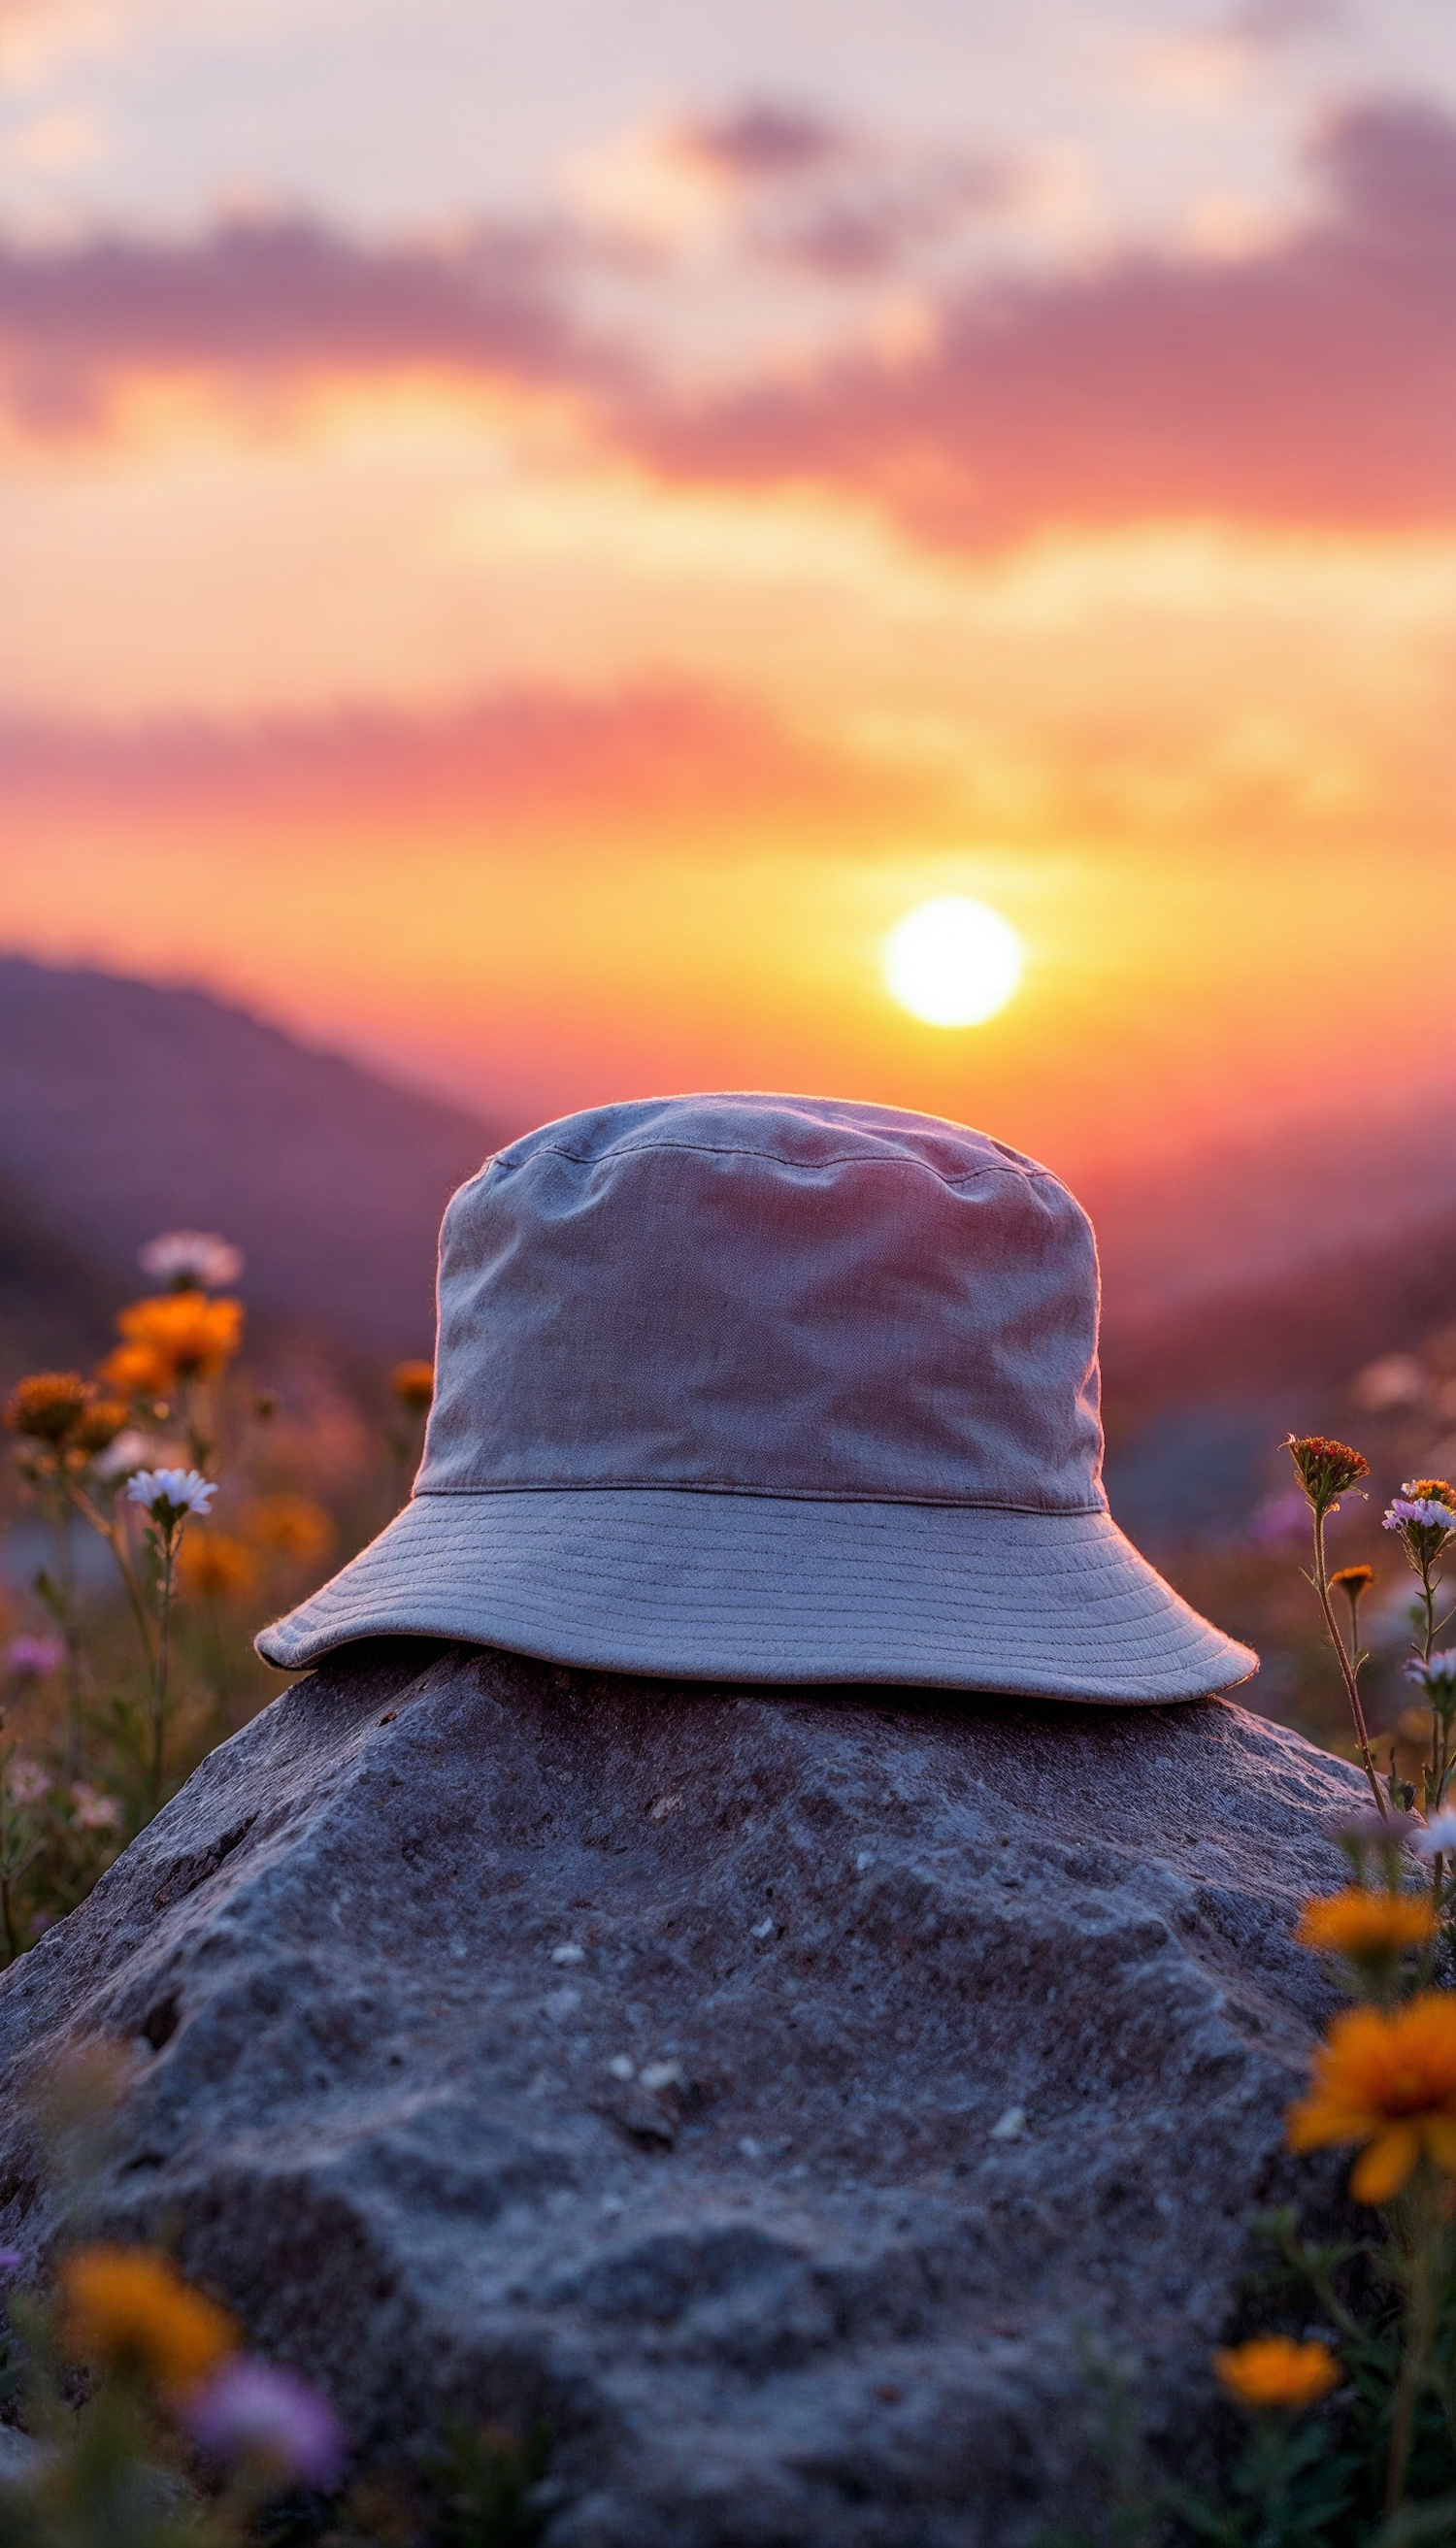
{"type": "Point", "coordinates": [953, 961]}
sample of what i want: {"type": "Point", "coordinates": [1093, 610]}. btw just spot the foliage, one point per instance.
{"type": "Point", "coordinates": [112, 1689]}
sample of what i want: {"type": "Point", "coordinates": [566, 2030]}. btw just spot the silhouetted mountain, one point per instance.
{"type": "Point", "coordinates": [126, 1109]}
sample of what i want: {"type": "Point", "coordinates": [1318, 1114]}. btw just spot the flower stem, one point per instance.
{"type": "Point", "coordinates": [166, 1564]}
{"type": "Point", "coordinates": [1347, 1668]}
{"type": "Point", "coordinates": [1424, 2257]}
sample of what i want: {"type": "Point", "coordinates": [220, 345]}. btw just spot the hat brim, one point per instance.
{"type": "Point", "coordinates": [684, 1584]}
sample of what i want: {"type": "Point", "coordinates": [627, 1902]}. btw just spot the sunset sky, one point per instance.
{"type": "Point", "coordinates": [534, 530]}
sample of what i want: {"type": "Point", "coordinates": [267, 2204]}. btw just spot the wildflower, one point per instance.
{"type": "Point", "coordinates": [1386, 2079]}
{"type": "Point", "coordinates": [132, 2310]}
{"type": "Point", "coordinates": [1326, 1469]}
{"type": "Point", "coordinates": [1435, 1489]}
{"type": "Point", "coordinates": [214, 1567]}
{"type": "Point", "coordinates": [127, 1451]}
{"type": "Point", "coordinates": [91, 1811]}
{"type": "Point", "coordinates": [98, 1426]}
{"type": "Point", "coordinates": [291, 1526]}
{"type": "Point", "coordinates": [1279, 1519]}
{"type": "Point", "coordinates": [1439, 1835]}
{"type": "Point", "coordinates": [269, 2421]}
{"type": "Point", "coordinates": [34, 1658]}
{"type": "Point", "coordinates": [27, 1780]}
{"type": "Point", "coordinates": [1369, 1927]}
{"type": "Point", "coordinates": [170, 1494]}
{"type": "Point", "coordinates": [191, 1260]}
{"type": "Point", "coordinates": [1419, 1512]}
{"type": "Point", "coordinates": [136, 1371]}
{"type": "Point", "coordinates": [176, 1336]}
{"type": "Point", "coordinates": [1353, 1581]}
{"type": "Point", "coordinates": [1436, 1673]}
{"type": "Point", "coordinates": [48, 1404]}
{"type": "Point", "coordinates": [1275, 2371]}
{"type": "Point", "coordinates": [413, 1384]}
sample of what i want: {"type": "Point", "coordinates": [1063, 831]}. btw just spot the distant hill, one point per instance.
{"type": "Point", "coordinates": [126, 1109]}
{"type": "Point", "coordinates": [55, 1305]}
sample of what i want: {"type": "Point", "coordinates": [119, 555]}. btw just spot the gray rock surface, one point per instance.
{"type": "Point", "coordinates": [778, 2093]}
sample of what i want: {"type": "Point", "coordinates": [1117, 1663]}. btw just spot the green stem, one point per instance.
{"type": "Point", "coordinates": [70, 1635]}
{"type": "Point", "coordinates": [114, 1538]}
{"type": "Point", "coordinates": [1348, 1670]}
{"type": "Point", "coordinates": [168, 1552]}
{"type": "Point", "coordinates": [1425, 2259]}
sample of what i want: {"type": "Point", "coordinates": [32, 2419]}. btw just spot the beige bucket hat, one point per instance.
{"type": "Point", "coordinates": [772, 1388]}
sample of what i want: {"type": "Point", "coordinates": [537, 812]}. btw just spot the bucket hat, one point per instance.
{"type": "Point", "coordinates": [772, 1388]}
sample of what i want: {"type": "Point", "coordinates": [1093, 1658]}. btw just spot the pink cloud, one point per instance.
{"type": "Point", "coordinates": [1309, 385]}
{"type": "Point", "coordinates": [284, 299]}
{"type": "Point", "coordinates": [1313, 385]}
{"type": "Point", "coordinates": [645, 755]}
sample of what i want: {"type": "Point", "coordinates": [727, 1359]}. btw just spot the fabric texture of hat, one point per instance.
{"type": "Point", "coordinates": [772, 1388]}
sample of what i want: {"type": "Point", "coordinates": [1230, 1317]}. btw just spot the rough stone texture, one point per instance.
{"type": "Point", "coordinates": [799, 2281]}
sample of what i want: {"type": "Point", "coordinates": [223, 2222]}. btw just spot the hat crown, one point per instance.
{"type": "Point", "coordinates": [775, 1295]}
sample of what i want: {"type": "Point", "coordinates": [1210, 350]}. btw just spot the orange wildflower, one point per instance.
{"type": "Point", "coordinates": [1366, 1927]}
{"type": "Point", "coordinates": [1325, 1468]}
{"type": "Point", "coordinates": [1438, 1490]}
{"type": "Point", "coordinates": [129, 2309]}
{"type": "Point", "coordinates": [1353, 1581]}
{"type": "Point", "coordinates": [413, 1384]}
{"type": "Point", "coordinates": [291, 1526]}
{"type": "Point", "coordinates": [212, 1566]}
{"type": "Point", "coordinates": [1275, 2371]}
{"type": "Point", "coordinates": [48, 1404]}
{"type": "Point", "coordinates": [135, 1371]}
{"type": "Point", "coordinates": [193, 1337]}
{"type": "Point", "coordinates": [1386, 2079]}
{"type": "Point", "coordinates": [97, 1427]}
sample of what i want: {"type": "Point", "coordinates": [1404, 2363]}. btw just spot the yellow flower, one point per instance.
{"type": "Point", "coordinates": [213, 1566]}
{"type": "Point", "coordinates": [1274, 2371]}
{"type": "Point", "coordinates": [129, 2309]}
{"type": "Point", "coordinates": [413, 1384]}
{"type": "Point", "coordinates": [48, 1404]}
{"type": "Point", "coordinates": [1366, 1927]}
{"type": "Point", "coordinates": [1388, 2080]}
{"type": "Point", "coordinates": [288, 1526]}
{"type": "Point", "coordinates": [188, 1336]}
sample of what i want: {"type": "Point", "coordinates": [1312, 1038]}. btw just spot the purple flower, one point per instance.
{"type": "Point", "coordinates": [1421, 1512]}
{"type": "Point", "coordinates": [269, 2419]}
{"type": "Point", "coordinates": [1438, 1672]}
{"type": "Point", "coordinates": [34, 1658]}
{"type": "Point", "coordinates": [1279, 1518]}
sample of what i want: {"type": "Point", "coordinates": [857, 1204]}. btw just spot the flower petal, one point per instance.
{"type": "Point", "coordinates": [1381, 2170]}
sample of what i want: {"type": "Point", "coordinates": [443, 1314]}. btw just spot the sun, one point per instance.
{"type": "Point", "coordinates": [952, 963]}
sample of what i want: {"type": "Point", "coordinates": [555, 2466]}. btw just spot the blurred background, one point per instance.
{"type": "Point", "coordinates": [533, 536]}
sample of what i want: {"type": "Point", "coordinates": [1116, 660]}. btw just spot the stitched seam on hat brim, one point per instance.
{"type": "Point", "coordinates": [742, 1150]}
{"type": "Point", "coordinates": [756, 1495]}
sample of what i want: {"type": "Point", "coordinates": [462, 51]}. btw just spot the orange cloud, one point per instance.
{"type": "Point", "coordinates": [649, 759]}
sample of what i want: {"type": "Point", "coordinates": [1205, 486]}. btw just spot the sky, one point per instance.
{"type": "Point", "coordinates": [532, 532]}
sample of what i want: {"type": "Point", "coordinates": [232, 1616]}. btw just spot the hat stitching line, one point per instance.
{"type": "Point", "coordinates": [744, 1151]}
{"type": "Point", "coordinates": [759, 1494]}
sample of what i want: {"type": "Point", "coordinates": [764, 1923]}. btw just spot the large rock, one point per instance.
{"type": "Point", "coordinates": [778, 2093]}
